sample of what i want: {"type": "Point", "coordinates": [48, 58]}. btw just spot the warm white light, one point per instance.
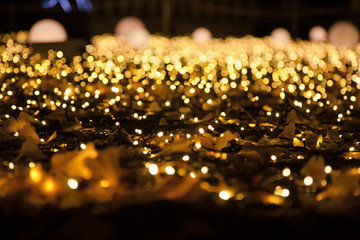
{"type": "Point", "coordinates": [170, 170]}
{"type": "Point", "coordinates": [134, 31]}
{"type": "Point", "coordinates": [201, 35]}
{"type": "Point", "coordinates": [138, 38]}
{"type": "Point", "coordinates": [286, 172]}
{"type": "Point", "coordinates": [285, 192]}
{"type": "Point", "coordinates": [328, 169]}
{"type": "Point", "coordinates": [127, 25]}
{"type": "Point", "coordinates": [153, 169]}
{"type": "Point", "coordinates": [186, 158]}
{"type": "Point", "coordinates": [318, 34]}
{"type": "Point", "coordinates": [47, 31]}
{"type": "Point", "coordinates": [72, 183]}
{"type": "Point", "coordinates": [204, 170]}
{"type": "Point", "coordinates": [344, 33]}
{"type": "Point", "coordinates": [280, 35]}
{"type": "Point", "coordinates": [308, 180]}
{"type": "Point", "coordinates": [224, 195]}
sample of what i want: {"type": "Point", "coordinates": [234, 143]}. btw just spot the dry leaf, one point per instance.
{"type": "Point", "coordinates": [154, 107]}
{"type": "Point", "coordinates": [223, 141]}
{"type": "Point", "coordinates": [297, 142]}
{"type": "Point", "coordinates": [10, 125]}
{"type": "Point", "coordinates": [73, 164]}
{"type": "Point", "coordinates": [28, 131]}
{"type": "Point", "coordinates": [314, 168]}
{"type": "Point", "coordinates": [30, 148]}
{"type": "Point", "coordinates": [5, 137]}
{"type": "Point", "coordinates": [289, 131]}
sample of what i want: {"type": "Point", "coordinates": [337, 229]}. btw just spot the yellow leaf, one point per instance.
{"type": "Point", "coordinates": [52, 137]}
{"type": "Point", "coordinates": [222, 142]}
{"type": "Point", "coordinates": [297, 142]}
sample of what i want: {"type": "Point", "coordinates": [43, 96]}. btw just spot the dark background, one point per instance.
{"type": "Point", "coordinates": [179, 17]}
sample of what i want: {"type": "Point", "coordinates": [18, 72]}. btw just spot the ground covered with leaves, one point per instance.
{"type": "Point", "coordinates": [242, 130]}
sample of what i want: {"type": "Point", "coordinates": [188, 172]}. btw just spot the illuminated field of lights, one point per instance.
{"type": "Point", "coordinates": [246, 120]}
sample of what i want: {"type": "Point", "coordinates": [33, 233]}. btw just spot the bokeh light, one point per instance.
{"type": "Point", "coordinates": [47, 31]}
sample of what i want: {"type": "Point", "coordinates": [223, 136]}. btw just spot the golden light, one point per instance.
{"type": "Point", "coordinates": [35, 174]}
{"type": "Point", "coordinates": [224, 195]}
{"type": "Point", "coordinates": [104, 183]}
{"type": "Point", "coordinates": [49, 185]}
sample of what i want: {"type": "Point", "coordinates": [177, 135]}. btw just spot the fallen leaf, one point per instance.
{"type": "Point", "coordinates": [5, 137]}
{"type": "Point", "coordinates": [289, 131]}
{"type": "Point", "coordinates": [223, 141]}
{"type": "Point", "coordinates": [314, 168]}
{"type": "Point", "coordinates": [73, 164]}
{"type": "Point", "coordinates": [28, 131]}
{"type": "Point", "coordinates": [30, 148]}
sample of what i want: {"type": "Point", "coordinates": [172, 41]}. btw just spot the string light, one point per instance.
{"type": "Point", "coordinates": [182, 99]}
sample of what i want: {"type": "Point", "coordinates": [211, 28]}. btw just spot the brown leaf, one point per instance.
{"type": "Point", "coordinates": [289, 131]}
{"type": "Point", "coordinates": [28, 131]}
{"type": "Point", "coordinates": [154, 107]}
{"type": "Point", "coordinates": [5, 137]}
{"type": "Point", "coordinates": [10, 125]}
{"type": "Point", "coordinates": [182, 145]}
{"type": "Point", "coordinates": [30, 148]}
